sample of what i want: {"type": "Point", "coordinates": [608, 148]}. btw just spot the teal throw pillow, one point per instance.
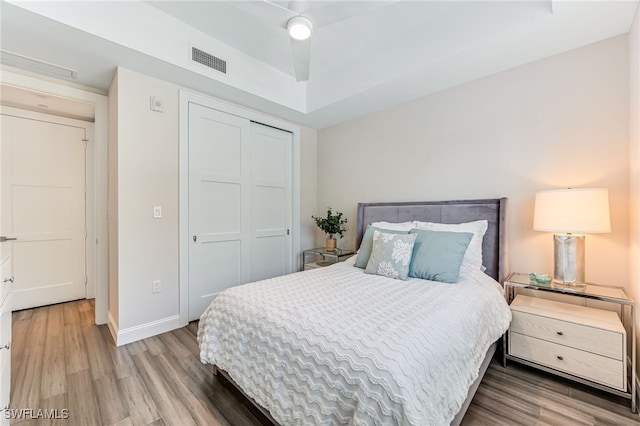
{"type": "Point", "coordinates": [437, 255]}
{"type": "Point", "coordinates": [391, 254]}
{"type": "Point", "coordinates": [367, 243]}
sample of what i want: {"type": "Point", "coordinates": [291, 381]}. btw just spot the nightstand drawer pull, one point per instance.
{"type": "Point", "coordinates": [560, 357]}
{"type": "Point", "coordinates": [560, 333]}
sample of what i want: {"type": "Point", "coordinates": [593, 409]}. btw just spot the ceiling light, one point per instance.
{"type": "Point", "coordinates": [300, 28]}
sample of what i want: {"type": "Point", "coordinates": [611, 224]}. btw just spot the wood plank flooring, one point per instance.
{"type": "Point", "coordinates": [61, 360]}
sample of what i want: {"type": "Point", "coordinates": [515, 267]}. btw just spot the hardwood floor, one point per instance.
{"type": "Point", "coordinates": [62, 361]}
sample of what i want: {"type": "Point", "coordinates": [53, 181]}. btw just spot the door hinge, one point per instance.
{"type": "Point", "coordinates": [85, 234]}
{"type": "Point", "coordinates": [287, 232]}
{"type": "Point", "coordinates": [86, 280]}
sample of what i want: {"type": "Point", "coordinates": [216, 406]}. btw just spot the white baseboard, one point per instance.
{"type": "Point", "coordinates": [142, 331]}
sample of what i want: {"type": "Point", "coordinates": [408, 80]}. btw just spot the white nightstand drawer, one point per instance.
{"type": "Point", "coordinates": [597, 368]}
{"type": "Point", "coordinates": [596, 340]}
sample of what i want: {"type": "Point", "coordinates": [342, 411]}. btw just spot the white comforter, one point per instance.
{"type": "Point", "coordinates": [336, 346]}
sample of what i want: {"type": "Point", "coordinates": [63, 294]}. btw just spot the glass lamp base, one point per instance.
{"type": "Point", "coordinates": [568, 265]}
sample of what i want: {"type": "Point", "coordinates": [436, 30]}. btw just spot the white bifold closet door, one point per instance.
{"type": "Point", "coordinates": [239, 203]}
{"type": "Point", "coordinates": [270, 200]}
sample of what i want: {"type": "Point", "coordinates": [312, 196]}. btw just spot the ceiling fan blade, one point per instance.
{"type": "Point", "coordinates": [267, 11]}
{"type": "Point", "coordinates": [301, 52]}
{"type": "Point", "coordinates": [299, 6]}
{"type": "Point", "coordinates": [328, 13]}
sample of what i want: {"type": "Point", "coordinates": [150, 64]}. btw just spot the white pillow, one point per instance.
{"type": "Point", "coordinates": [402, 226]}
{"type": "Point", "coordinates": [350, 260]}
{"type": "Point", "coordinates": [472, 260]}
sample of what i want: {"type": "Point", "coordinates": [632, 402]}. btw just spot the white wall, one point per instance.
{"type": "Point", "coordinates": [112, 205]}
{"type": "Point", "coordinates": [634, 160]}
{"type": "Point", "coordinates": [148, 175]}
{"type": "Point", "coordinates": [558, 122]}
{"type": "Point", "coordinates": [308, 183]}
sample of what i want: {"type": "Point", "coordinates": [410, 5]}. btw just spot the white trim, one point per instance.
{"type": "Point", "coordinates": [183, 214]}
{"type": "Point", "coordinates": [187, 97]}
{"type": "Point", "coordinates": [100, 163]}
{"type": "Point", "coordinates": [142, 331]}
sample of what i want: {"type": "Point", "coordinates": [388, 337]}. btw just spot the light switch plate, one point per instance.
{"type": "Point", "coordinates": [157, 212]}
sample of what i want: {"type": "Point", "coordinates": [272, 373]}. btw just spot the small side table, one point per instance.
{"type": "Point", "coordinates": [319, 257]}
{"type": "Point", "coordinates": [610, 294]}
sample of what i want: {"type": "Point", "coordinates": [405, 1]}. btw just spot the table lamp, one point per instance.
{"type": "Point", "coordinates": [568, 213]}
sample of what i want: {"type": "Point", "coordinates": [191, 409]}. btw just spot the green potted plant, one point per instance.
{"type": "Point", "coordinates": [331, 225]}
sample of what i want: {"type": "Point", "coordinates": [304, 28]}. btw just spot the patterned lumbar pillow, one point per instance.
{"type": "Point", "coordinates": [391, 255]}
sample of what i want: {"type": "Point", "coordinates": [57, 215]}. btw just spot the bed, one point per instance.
{"type": "Point", "coordinates": [336, 345]}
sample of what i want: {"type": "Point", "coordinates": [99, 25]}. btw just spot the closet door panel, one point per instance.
{"type": "Point", "coordinates": [270, 202]}
{"type": "Point", "coordinates": [218, 204]}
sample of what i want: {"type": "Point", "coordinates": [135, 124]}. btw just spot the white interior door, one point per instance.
{"type": "Point", "coordinates": [6, 281]}
{"type": "Point", "coordinates": [218, 204]}
{"type": "Point", "coordinates": [43, 206]}
{"type": "Point", "coordinates": [271, 203]}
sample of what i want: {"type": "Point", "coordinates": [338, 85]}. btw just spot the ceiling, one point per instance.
{"type": "Point", "coordinates": [365, 55]}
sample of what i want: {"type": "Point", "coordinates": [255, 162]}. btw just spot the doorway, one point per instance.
{"type": "Point", "coordinates": [35, 89]}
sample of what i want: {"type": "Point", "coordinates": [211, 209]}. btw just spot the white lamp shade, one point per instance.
{"type": "Point", "coordinates": [575, 211]}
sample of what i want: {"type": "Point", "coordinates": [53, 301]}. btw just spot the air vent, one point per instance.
{"type": "Point", "coordinates": [36, 65]}
{"type": "Point", "coordinates": [208, 60]}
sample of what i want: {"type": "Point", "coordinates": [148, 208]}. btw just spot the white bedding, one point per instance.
{"type": "Point", "coordinates": [337, 346]}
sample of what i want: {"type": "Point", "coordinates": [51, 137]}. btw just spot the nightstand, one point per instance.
{"type": "Point", "coordinates": [318, 257]}
{"type": "Point", "coordinates": [574, 341]}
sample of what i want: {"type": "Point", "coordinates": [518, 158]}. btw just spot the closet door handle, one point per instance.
{"type": "Point", "coordinates": [3, 239]}
{"type": "Point", "coordinates": [8, 280]}
{"type": "Point", "coordinates": [7, 346]}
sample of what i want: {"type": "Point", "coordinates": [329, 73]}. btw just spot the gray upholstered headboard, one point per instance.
{"type": "Point", "coordinates": [494, 245]}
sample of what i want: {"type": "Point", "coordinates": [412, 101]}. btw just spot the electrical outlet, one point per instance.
{"type": "Point", "coordinates": [156, 286]}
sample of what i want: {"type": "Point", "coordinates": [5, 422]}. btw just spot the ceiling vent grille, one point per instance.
{"type": "Point", "coordinates": [36, 65]}
{"type": "Point", "coordinates": [208, 60]}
